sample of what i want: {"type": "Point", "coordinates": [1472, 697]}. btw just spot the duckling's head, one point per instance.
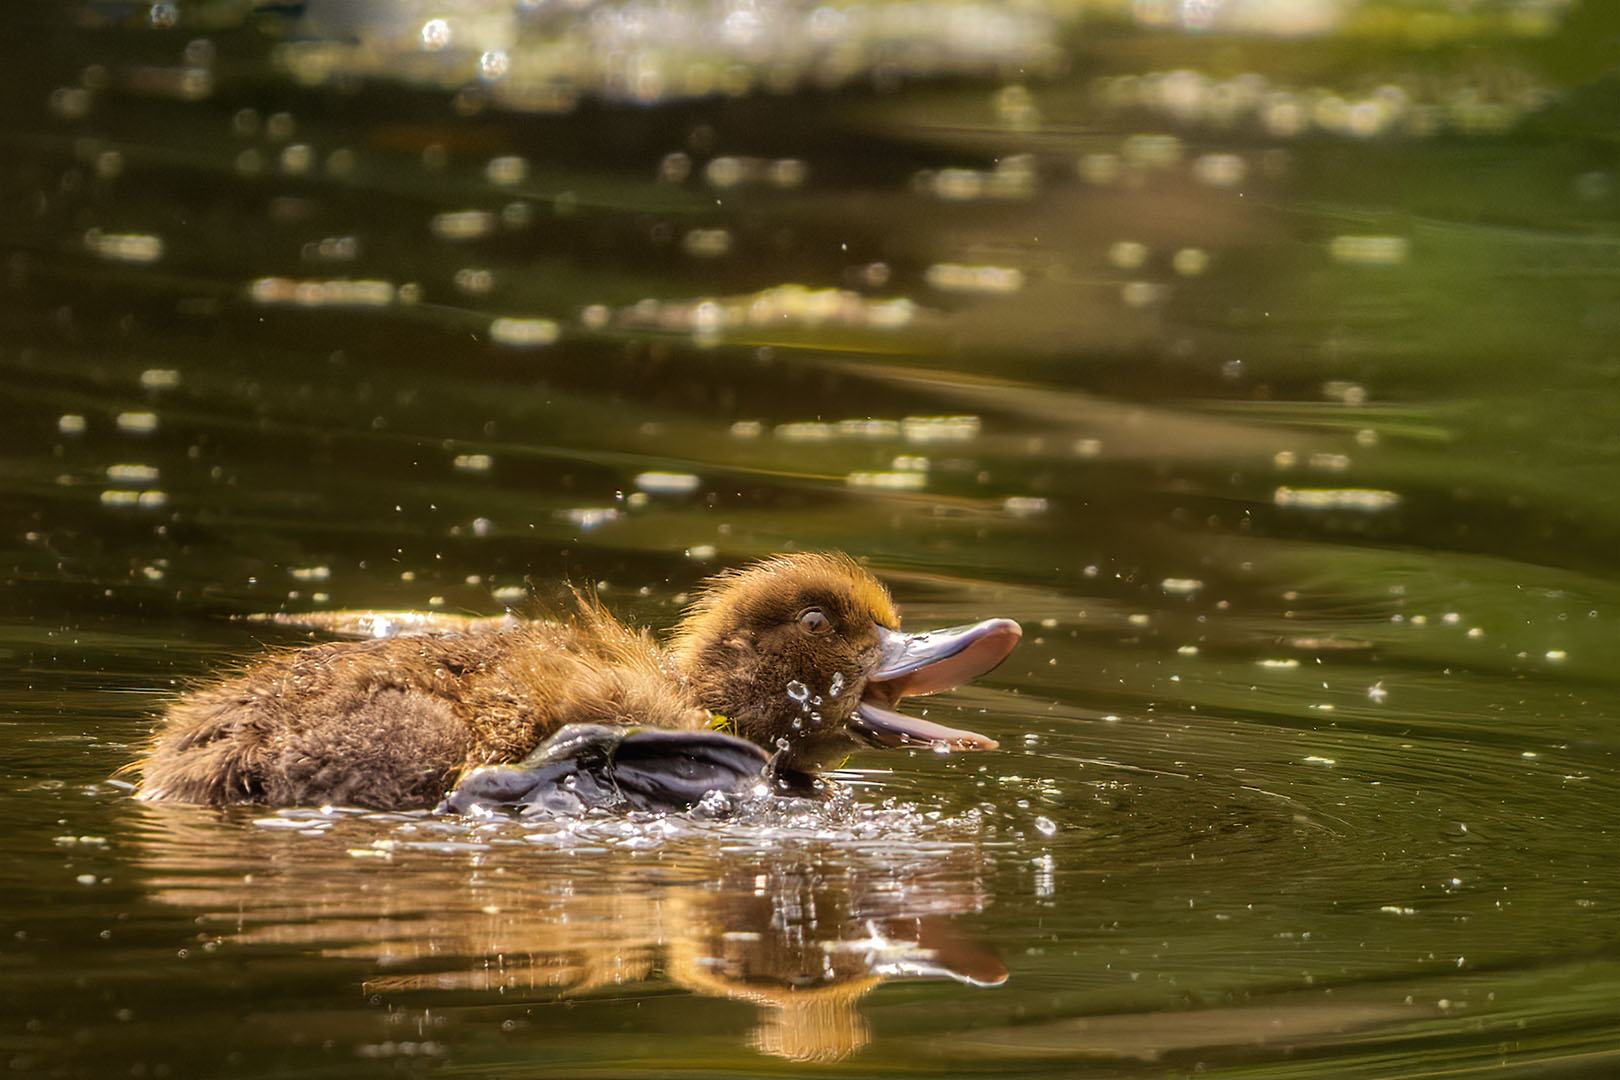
{"type": "Point", "coordinates": [804, 655]}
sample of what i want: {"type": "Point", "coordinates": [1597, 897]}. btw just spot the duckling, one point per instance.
{"type": "Point", "coordinates": [799, 658]}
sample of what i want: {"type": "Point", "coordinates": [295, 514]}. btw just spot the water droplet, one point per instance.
{"type": "Point", "coordinates": [798, 691]}
{"type": "Point", "coordinates": [1046, 826]}
{"type": "Point", "coordinates": [836, 687]}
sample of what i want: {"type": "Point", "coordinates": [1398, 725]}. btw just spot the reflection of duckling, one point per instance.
{"type": "Point", "coordinates": [806, 954]}
{"type": "Point", "coordinates": [800, 928]}
{"type": "Point", "coordinates": [799, 654]}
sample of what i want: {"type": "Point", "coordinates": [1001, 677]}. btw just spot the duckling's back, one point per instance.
{"type": "Point", "coordinates": [392, 723]}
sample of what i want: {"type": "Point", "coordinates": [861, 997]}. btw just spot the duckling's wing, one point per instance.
{"type": "Point", "coordinates": [674, 770]}
{"type": "Point", "coordinates": [603, 767]}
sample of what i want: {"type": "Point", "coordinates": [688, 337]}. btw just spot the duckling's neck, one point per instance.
{"type": "Point", "coordinates": [711, 678]}
{"type": "Point", "coordinates": [701, 679]}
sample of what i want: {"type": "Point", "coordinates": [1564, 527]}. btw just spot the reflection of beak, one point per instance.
{"type": "Point", "coordinates": [931, 952]}
{"type": "Point", "coordinates": [912, 664]}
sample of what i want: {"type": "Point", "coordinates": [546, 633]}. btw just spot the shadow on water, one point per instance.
{"type": "Point", "coordinates": [1258, 358]}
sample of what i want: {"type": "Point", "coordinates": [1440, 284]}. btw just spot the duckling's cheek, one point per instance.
{"type": "Point", "coordinates": [805, 708]}
{"type": "Point", "coordinates": [835, 687]}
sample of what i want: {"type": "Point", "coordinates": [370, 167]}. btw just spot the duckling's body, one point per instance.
{"type": "Point", "coordinates": [393, 723]}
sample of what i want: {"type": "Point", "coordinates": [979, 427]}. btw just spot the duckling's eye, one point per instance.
{"type": "Point", "coordinates": [814, 621]}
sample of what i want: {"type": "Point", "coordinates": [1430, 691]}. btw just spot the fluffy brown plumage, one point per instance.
{"type": "Point", "coordinates": [393, 722]}
{"type": "Point", "coordinates": [782, 648]}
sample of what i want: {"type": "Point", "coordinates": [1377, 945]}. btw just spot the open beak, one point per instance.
{"type": "Point", "coordinates": [913, 664]}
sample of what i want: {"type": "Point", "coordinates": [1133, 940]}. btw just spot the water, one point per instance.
{"type": "Point", "coordinates": [1269, 381]}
